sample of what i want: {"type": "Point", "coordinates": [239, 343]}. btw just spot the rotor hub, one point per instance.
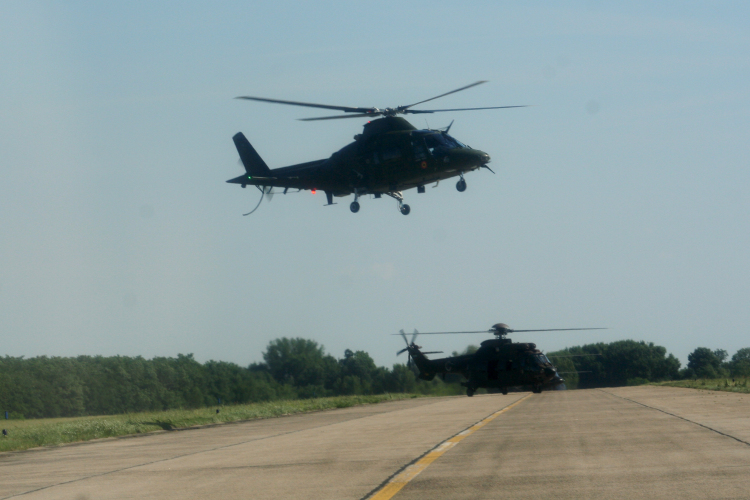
{"type": "Point", "coordinates": [500, 330]}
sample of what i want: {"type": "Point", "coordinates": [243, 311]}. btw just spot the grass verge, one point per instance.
{"type": "Point", "coordinates": [25, 434]}
{"type": "Point", "coordinates": [715, 384]}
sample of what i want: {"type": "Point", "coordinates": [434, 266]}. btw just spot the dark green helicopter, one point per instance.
{"type": "Point", "coordinates": [387, 158]}
{"type": "Point", "coordinates": [499, 363]}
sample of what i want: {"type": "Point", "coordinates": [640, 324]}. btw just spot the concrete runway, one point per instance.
{"type": "Point", "coordinates": [636, 442]}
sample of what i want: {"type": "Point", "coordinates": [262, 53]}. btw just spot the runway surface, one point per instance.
{"type": "Point", "coordinates": [635, 442]}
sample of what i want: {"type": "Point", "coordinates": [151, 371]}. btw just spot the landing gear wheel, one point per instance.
{"type": "Point", "coordinates": [461, 186]}
{"type": "Point", "coordinates": [505, 391]}
{"type": "Point", "coordinates": [537, 389]}
{"type": "Point", "coordinates": [405, 209]}
{"type": "Point", "coordinates": [354, 207]}
{"type": "Point", "coordinates": [470, 391]}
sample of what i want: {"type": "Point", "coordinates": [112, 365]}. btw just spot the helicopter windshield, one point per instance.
{"type": "Point", "coordinates": [441, 141]}
{"type": "Point", "coordinates": [542, 359]}
{"type": "Point", "coordinates": [460, 144]}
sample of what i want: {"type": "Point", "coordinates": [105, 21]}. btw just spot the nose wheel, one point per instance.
{"type": "Point", "coordinates": [354, 206]}
{"type": "Point", "coordinates": [461, 185]}
{"type": "Point", "coordinates": [402, 207]}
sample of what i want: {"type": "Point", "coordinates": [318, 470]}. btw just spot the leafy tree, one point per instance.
{"type": "Point", "coordinates": [299, 362]}
{"type": "Point", "coordinates": [401, 379]}
{"type": "Point", "coordinates": [357, 371]}
{"type": "Point", "coordinates": [740, 363]}
{"type": "Point", "coordinates": [705, 363]}
{"type": "Point", "coordinates": [614, 364]}
{"type": "Point", "coordinates": [721, 354]}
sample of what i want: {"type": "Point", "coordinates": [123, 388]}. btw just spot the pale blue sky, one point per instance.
{"type": "Point", "coordinates": [619, 198]}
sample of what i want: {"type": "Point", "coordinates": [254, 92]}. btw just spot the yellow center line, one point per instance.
{"type": "Point", "coordinates": [400, 480]}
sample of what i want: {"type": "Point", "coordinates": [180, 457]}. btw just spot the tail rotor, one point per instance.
{"type": "Point", "coordinates": [409, 344]}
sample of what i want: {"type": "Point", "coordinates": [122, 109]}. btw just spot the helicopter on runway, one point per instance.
{"type": "Point", "coordinates": [387, 158]}
{"type": "Point", "coordinates": [499, 363]}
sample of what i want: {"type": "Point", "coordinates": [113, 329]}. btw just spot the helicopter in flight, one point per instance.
{"type": "Point", "coordinates": [499, 363]}
{"type": "Point", "coordinates": [387, 158]}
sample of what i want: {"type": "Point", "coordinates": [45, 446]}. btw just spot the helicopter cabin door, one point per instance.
{"type": "Point", "coordinates": [420, 155]}
{"type": "Point", "coordinates": [492, 369]}
{"type": "Point", "coordinates": [388, 158]}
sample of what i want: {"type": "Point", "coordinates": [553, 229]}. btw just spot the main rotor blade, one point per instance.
{"type": "Point", "coordinates": [414, 335]}
{"type": "Point", "coordinates": [557, 330]}
{"type": "Point", "coordinates": [402, 108]}
{"type": "Point", "coordinates": [418, 111]}
{"type": "Point", "coordinates": [402, 351]}
{"type": "Point", "coordinates": [446, 333]}
{"type": "Point", "coordinates": [348, 109]}
{"type": "Point", "coordinates": [510, 331]}
{"type": "Point", "coordinates": [336, 117]}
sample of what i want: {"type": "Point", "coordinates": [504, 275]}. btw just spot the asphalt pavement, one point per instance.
{"type": "Point", "coordinates": [639, 442]}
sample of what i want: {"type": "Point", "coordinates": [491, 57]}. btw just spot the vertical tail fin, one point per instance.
{"type": "Point", "coordinates": [252, 161]}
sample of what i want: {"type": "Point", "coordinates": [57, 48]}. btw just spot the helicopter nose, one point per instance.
{"type": "Point", "coordinates": [468, 158]}
{"type": "Point", "coordinates": [549, 372]}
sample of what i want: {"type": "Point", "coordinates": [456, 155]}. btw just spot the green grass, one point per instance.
{"type": "Point", "coordinates": [25, 434]}
{"type": "Point", "coordinates": [716, 384]}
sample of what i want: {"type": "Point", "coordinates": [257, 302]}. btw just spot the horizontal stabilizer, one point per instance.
{"type": "Point", "coordinates": [254, 180]}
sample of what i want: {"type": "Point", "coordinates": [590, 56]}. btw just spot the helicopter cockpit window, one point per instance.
{"type": "Point", "coordinates": [389, 153]}
{"type": "Point", "coordinates": [542, 358]}
{"type": "Point", "coordinates": [459, 143]}
{"type": "Point", "coordinates": [420, 153]}
{"type": "Point", "coordinates": [441, 141]}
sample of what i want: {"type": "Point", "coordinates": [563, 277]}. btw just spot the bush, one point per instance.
{"type": "Point", "coordinates": [637, 381]}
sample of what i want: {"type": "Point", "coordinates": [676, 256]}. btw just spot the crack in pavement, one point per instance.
{"type": "Point", "coordinates": [678, 416]}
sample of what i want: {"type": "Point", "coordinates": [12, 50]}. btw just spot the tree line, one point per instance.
{"type": "Point", "coordinates": [44, 387]}
{"type": "Point", "coordinates": [628, 362]}
{"type": "Point", "coordinates": [300, 368]}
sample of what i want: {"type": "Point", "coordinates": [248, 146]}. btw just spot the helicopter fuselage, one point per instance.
{"type": "Point", "coordinates": [497, 364]}
{"type": "Point", "coordinates": [390, 156]}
